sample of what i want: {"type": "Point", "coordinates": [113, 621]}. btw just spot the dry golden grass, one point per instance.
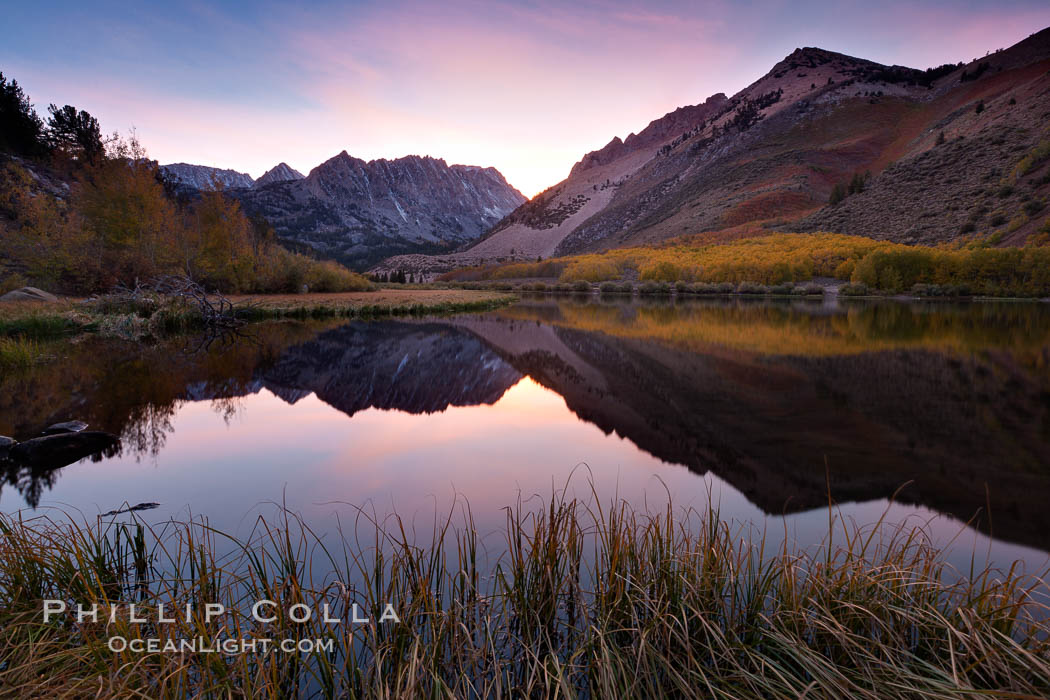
{"type": "Point", "coordinates": [584, 599]}
{"type": "Point", "coordinates": [21, 309]}
{"type": "Point", "coordinates": [47, 320]}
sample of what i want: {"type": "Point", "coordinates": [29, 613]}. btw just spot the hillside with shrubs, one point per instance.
{"type": "Point", "coordinates": [780, 259]}
{"type": "Point", "coordinates": [80, 213]}
{"type": "Point", "coordinates": [824, 142]}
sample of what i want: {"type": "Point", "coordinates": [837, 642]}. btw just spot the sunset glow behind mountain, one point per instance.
{"type": "Point", "coordinates": [523, 87]}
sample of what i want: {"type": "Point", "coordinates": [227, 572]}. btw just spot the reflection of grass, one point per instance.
{"type": "Point", "coordinates": [130, 388]}
{"type": "Point", "coordinates": [18, 353]}
{"type": "Point", "coordinates": [387, 302]}
{"type": "Point", "coordinates": [599, 602]}
{"type": "Point", "coordinates": [781, 330]}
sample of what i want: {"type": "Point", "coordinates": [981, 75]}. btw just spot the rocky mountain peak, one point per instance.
{"type": "Point", "coordinates": [362, 211]}
{"type": "Point", "coordinates": [659, 130]}
{"type": "Point", "coordinates": [281, 172]}
{"type": "Point", "coordinates": [203, 177]}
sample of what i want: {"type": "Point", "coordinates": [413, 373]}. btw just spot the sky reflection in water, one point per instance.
{"type": "Point", "coordinates": [230, 457]}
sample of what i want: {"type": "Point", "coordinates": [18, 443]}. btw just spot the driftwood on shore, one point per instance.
{"type": "Point", "coordinates": [215, 309]}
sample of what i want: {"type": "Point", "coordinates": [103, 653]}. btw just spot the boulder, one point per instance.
{"type": "Point", "coordinates": [70, 426]}
{"type": "Point", "coordinates": [54, 451]}
{"type": "Point", "coordinates": [28, 294]}
{"type": "Point", "coordinates": [6, 444]}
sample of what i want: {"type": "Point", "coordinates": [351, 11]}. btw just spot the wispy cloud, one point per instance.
{"type": "Point", "coordinates": [527, 87]}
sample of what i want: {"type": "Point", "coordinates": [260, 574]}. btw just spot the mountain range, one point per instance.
{"type": "Point", "coordinates": [203, 177]}
{"type": "Point", "coordinates": [932, 155]}
{"type": "Point", "coordinates": [916, 156]}
{"type": "Point", "coordinates": [360, 212]}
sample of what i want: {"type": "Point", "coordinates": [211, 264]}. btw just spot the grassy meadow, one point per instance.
{"type": "Point", "coordinates": [574, 599]}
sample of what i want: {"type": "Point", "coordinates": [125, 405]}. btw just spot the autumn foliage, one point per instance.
{"type": "Point", "coordinates": [118, 224]}
{"type": "Point", "coordinates": [782, 257]}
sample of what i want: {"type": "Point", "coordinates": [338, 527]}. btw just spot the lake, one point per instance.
{"type": "Point", "coordinates": [927, 414]}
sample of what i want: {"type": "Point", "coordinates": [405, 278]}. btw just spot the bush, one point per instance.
{"type": "Point", "coordinates": [1038, 155]}
{"type": "Point", "coordinates": [662, 271]}
{"type": "Point", "coordinates": [782, 289]}
{"type": "Point", "coordinates": [810, 290]}
{"type": "Point", "coordinates": [844, 270]}
{"type": "Point", "coordinates": [581, 286]}
{"type": "Point", "coordinates": [683, 287]}
{"type": "Point", "coordinates": [941, 290]}
{"type": "Point", "coordinates": [609, 288]}
{"type": "Point", "coordinates": [283, 272]}
{"type": "Point", "coordinates": [926, 290]}
{"type": "Point", "coordinates": [542, 268]}
{"type": "Point", "coordinates": [952, 291]}
{"type": "Point", "coordinates": [720, 288]}
{"type": "Point", "coordinates": [751, 288]}
{"type": "Point", "coordinates": [654, 288]}
{"type": "Point", "coordinates": [854, 289]}
{"type": "Point", "coordinates": [328, 276]}
{"type": "Point", "coordinates": [12, 282]}
{"type": "Point", "coordinates": [591, 269]}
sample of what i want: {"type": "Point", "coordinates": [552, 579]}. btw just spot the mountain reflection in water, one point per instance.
{"type": "Point", "coordinates": [773, 398]}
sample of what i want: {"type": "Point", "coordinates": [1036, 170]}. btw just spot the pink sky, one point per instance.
{"type": "Point", "coordinates": [527, 88]}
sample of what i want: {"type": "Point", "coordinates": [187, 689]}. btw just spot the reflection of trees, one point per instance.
{"type": "Point", "coordinates": [778, 327]}
{"type": "Point", "coordinates": [133, 390]}
{"type": "Point", "coordinates": [147, 429]}
{"type": "Point", "coordinates": [31, 480]}
{"type": "Point", "coordinates": [228, 407]}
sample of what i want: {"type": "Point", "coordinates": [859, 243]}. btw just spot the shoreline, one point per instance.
{"type": "Point", "coordinates": [69, 317]}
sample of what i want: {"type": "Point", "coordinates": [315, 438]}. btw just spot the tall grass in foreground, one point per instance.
{"type": "Point", "coordinates": [580, 601]}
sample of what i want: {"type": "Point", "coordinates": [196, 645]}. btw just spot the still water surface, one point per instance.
{"type": "Point", "coordinates": [755, 405]}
